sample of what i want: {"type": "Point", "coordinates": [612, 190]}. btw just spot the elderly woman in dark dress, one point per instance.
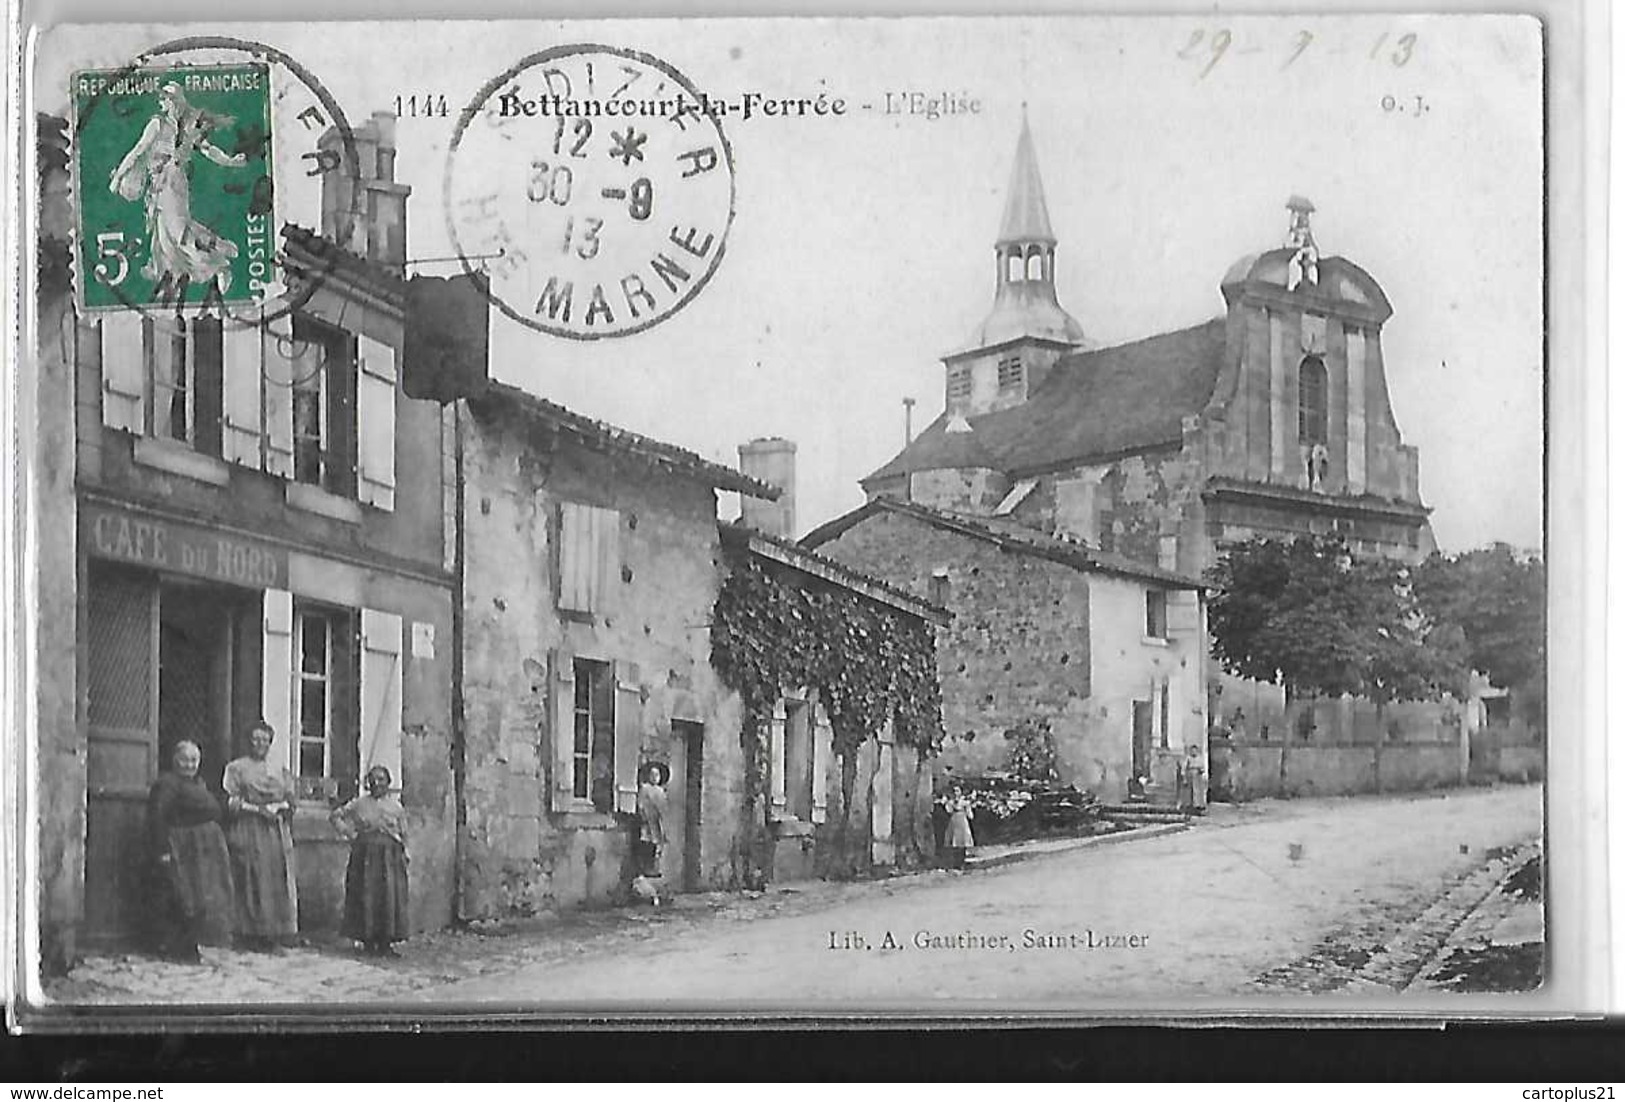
{"type": "Point", "coordinates": [375, 881]}
{"type": "Point", "coordinates": [192, 888]}
{"type": "Point", "coordinates": [260, 798]}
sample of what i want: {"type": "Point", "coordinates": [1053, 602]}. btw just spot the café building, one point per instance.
{"type": "Point", "coordinates": [236, 521]}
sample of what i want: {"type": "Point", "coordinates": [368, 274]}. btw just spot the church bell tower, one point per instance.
{"type": "Point", "coordinates": [1027, 330]}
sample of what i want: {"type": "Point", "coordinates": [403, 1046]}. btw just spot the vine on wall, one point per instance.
{"type": "Point", "coordinates": [868, 664]}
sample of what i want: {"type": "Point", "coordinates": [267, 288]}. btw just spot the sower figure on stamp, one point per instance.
{"type": "Point", "coordinates": [157, 170]}
{"type": "Point", "coordinates": [651, 841]}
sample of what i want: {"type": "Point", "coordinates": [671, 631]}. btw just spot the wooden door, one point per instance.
{"type": "Point", "coordinates": [688, 779]}
{"type": "Point", "coordinates": [121, 761]}
{"type": "Point", "coordinates": [1142, 738]}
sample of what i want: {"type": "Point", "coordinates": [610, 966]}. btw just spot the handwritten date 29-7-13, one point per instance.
{"type": "Point", "coordinates": [1207, 47]}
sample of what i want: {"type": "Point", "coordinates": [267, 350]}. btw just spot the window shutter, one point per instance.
{"type": "Point", "coordinates": [575, 539]}
{"type": "Point", "coordinates": [381, 692]}
{"type": "Point", "coordinates": [375, 423]}
{"type": "Point", "coordinates": [606, 554]}
{"type": "Point", "coordinates": [561, 709]}
{"type": "Point", "coordinates": [242, 379]}
{"type": "Point", "coordinates": [823, 749]}
{"type": "Point", "coordinates": [276, 678]}
{"type": "Point", "coordinates": [775, 758]}
{"type": "Point", "coordinates": [628, 735]}
{"type": "Point", "coordinates": [279, 351]}
{"type": "Point", "coordinates": [1182, 611]}
{"type": "Point", "coordinates": [123, 372]}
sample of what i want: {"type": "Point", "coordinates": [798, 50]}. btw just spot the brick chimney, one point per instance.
{"type": "Point", "coordinates": [372, 223]}
{"type": "Point", "coordinates": [772, 460]}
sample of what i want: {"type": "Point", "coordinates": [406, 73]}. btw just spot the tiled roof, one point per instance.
{"type": "Point", "coordinates": [1009, 534]}
{"type": "Point", "coordinates": [333, 257]}
{"type": "Point", "coordinates": [804, 557]}
{"type": "Point", "coordinates": [603, 436]}
{"type": "Point", "coordinates": [1102, 402]}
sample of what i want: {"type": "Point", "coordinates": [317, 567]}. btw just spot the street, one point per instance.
{"type": "Point", "coordinates": [1275, 897]}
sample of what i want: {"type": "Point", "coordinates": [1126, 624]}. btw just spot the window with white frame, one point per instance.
{"type": "Point", "coordinates": [592, 757]}
{"type": "Point", "coordinates": [326, 754]}
{"type": "Point", "coordinates": [323, 384]}
{"type": "Point", "coordinates": [180, 361]}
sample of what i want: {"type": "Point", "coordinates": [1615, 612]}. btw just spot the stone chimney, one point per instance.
{"type": "Point", "coordinates": [771, 460]}
{"type": "Point", "coordinates": [365, 214]}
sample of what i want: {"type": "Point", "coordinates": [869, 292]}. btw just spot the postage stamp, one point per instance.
{"type": "Point", "coordinates": [176, 184]}
{"type": "Point", "coordinates": [597, 184]}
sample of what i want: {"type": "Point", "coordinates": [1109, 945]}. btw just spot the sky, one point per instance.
{"type": "Point", "coordinates": [860, 250]}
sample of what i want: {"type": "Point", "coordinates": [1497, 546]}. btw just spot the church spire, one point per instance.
{"type": "Point", "coordinates": [1026, 215]}
{"type": "Point", "coordinates": [1024, 302]}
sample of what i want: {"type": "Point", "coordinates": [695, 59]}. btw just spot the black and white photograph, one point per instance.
{"type": "Point", "coordinates": [944, 517]}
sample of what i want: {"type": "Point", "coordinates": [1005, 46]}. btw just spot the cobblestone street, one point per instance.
{"type": "Point", "coordinates": [1355, 896]}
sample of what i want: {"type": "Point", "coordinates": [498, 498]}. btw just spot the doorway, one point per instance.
{"type": "Point", "coordinates": [1141, 752]}
{"type": "Point", "coordinates": [688, 777]}
{"type": "Point", "coordinates": [160, 659]}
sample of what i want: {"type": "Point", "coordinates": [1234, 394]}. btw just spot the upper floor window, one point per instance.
{"type": "Point", "coordinates": [1312, 401]}
{"type": "Point", "coordinates": [181, 366]}
{"type": "Point", "coordinates": [589, 556]}
{"type": "Point", "coordinates": [1156, 613]}
{"type": "Point", "coordinates": [298, 399]}
{"type": "Point", "coordinates": [959, 382]}
{"type": "Point", "coordinates": [323, 407]}
{"type": "Point", "coordinates": [1010, 374]}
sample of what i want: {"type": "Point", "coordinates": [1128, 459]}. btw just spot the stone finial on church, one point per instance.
{"type": "Point", "coordinates": [1305, 264]}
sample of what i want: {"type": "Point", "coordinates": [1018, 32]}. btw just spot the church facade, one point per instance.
{"type": "Point", "coordinates": [1271, 419]}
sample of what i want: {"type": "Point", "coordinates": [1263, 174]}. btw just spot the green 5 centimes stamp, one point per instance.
{"type": "Point", "coordinates": [174, 187]}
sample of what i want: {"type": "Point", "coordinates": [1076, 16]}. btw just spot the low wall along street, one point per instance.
{"type": "Point", "coordinates": [1256, 770]}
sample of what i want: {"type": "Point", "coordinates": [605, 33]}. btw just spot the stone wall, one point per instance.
{"type": "Point", "coordinates": [57, 796]}
{"type": "Point", "coordinates": [520, 856]}
{"type": "Point", "coordinates": [1018, 648]}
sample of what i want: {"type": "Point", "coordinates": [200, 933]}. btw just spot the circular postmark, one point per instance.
{"type": "Point", "coordinates": [175, 159]}
{"type": "Point", "coordinates": [601, 185]}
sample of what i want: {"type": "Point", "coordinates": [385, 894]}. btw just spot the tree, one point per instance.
{"type": "Point", "coordinates": [1497, 601]}
{"type": "Point", "coordinates": [1309, 615]}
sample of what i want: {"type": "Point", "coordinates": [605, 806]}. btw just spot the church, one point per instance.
{"type": "Point", "coordinates": [1271, 419]}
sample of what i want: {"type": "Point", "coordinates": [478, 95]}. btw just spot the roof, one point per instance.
{"type": "Point", "coordinates": [820, 566]}
{"type": "Point", "coordinates": [1026, 215]}
{"type": "Point", "coordinates": [1096, 403]}
{"type": "Point", "coordinates": [333, 257]}
{"type": "Point", "coordinates": [602, 436]}
{"type": "Point", "coordinates": [1010, 535]}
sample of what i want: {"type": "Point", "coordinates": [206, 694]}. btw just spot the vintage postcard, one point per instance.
{"type": "Point", "coordinates": [566, 518]}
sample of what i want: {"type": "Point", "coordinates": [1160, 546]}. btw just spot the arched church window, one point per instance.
{"type": "Point", "coordinates": [1035, 266]}
{"type": "Point", "coordinates": [1014, 269]}
{"type": "Point", "coordinates": [1312, 401]}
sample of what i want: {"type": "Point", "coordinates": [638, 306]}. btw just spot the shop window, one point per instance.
{"type": "Point", "coordinates": [326, 675]}
{"type": "Point", "coordinates": [592, 758]}
{"type": "Point", "coordinates": [589, 556]}
{"type": "Point", "coordinates": [181, 361]}
{"type": "Point", "coordinates": [1156, 614]}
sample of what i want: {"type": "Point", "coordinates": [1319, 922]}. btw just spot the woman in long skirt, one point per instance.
{"type": "Point", "coordinates": [375, 912]}
{"type": "Point", "coordinates": [192, 892]}
{"type": "Point", "coordinates": [958, 839]}
{"type": "Point", "coordinates": [260, 798]}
